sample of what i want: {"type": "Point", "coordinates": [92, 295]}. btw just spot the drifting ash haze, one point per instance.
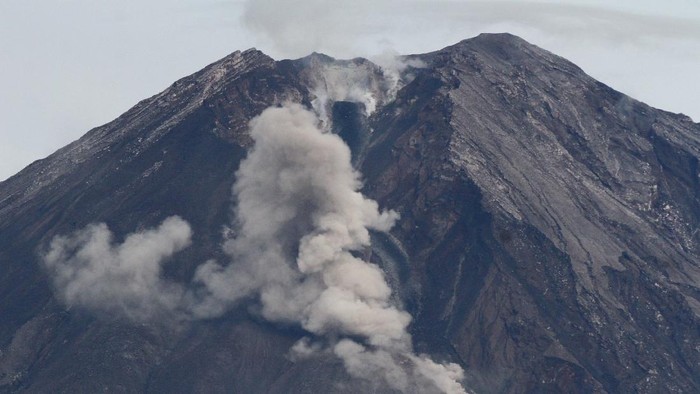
{"type": "Point", "coordinates": [88, 270]}
{"type": "Point", "coordinates": [300, 222]}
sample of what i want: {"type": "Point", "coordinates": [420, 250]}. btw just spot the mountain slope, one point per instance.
{"type": "Point", "coordinates": [548, 236]}
{"type": "Point", "coordinates": [561, 215]}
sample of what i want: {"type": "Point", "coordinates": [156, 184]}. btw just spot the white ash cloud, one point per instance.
{"type": "Point", "coordinates": [300, 216]}
{"type": "Point", "coordinates": [91, 271]}
{"type": "Point", "coordinates": [302, 221]}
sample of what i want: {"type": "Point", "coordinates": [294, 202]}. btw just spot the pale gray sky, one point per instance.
{"type": "Point", "coordinates": [69, 65]}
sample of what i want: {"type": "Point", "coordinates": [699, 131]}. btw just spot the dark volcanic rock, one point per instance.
{"type": "Point", "coordinates": [552, 221]}
{"type": "Point", "coordinates": [548, 238]}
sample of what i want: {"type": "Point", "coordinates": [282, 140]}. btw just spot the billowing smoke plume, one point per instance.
{"type": "Point", "coordinates": [89, 270]}
{"type": "Point", "coordinates": [300, 217]}
{"type": "Point", "coordinates": [302, 222]}
{"type": "Point", "coordinates": [301, 225]}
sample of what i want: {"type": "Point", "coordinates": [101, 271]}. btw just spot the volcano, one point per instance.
{"type": "Point", "coordinates": [547, 234]}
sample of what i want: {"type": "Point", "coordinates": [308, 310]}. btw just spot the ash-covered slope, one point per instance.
{"type": "Point", "coordinates": [552, 221]}
{"type": "Point", "coordinates": [548, 236]}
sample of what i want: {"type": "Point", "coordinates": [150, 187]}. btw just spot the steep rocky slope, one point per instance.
{"type": "Point", "coordinates": [553, 221]}
{"type": "Point", "coordinates": [548, 237]}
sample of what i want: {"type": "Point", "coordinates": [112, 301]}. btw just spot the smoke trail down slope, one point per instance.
{"type": "Point", "coordinates": [301, 222]}
{"type": "Point", "coordinates": [301, 217]}
{"type": "Point", "coordinates": [90, 271]}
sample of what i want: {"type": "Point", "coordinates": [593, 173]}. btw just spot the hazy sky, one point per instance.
{"type": "Point", "coordinates": [69, 65]}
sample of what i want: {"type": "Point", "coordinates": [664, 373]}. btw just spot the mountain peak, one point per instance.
{"type": "Point", "coordinates": [141, 125]}
{"type": "Point", "coordinates": [491, 40]}
{"type": "Point", "coordinates": [497, 38]}
{"type": "Point", "coordinates": [547, 237]}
